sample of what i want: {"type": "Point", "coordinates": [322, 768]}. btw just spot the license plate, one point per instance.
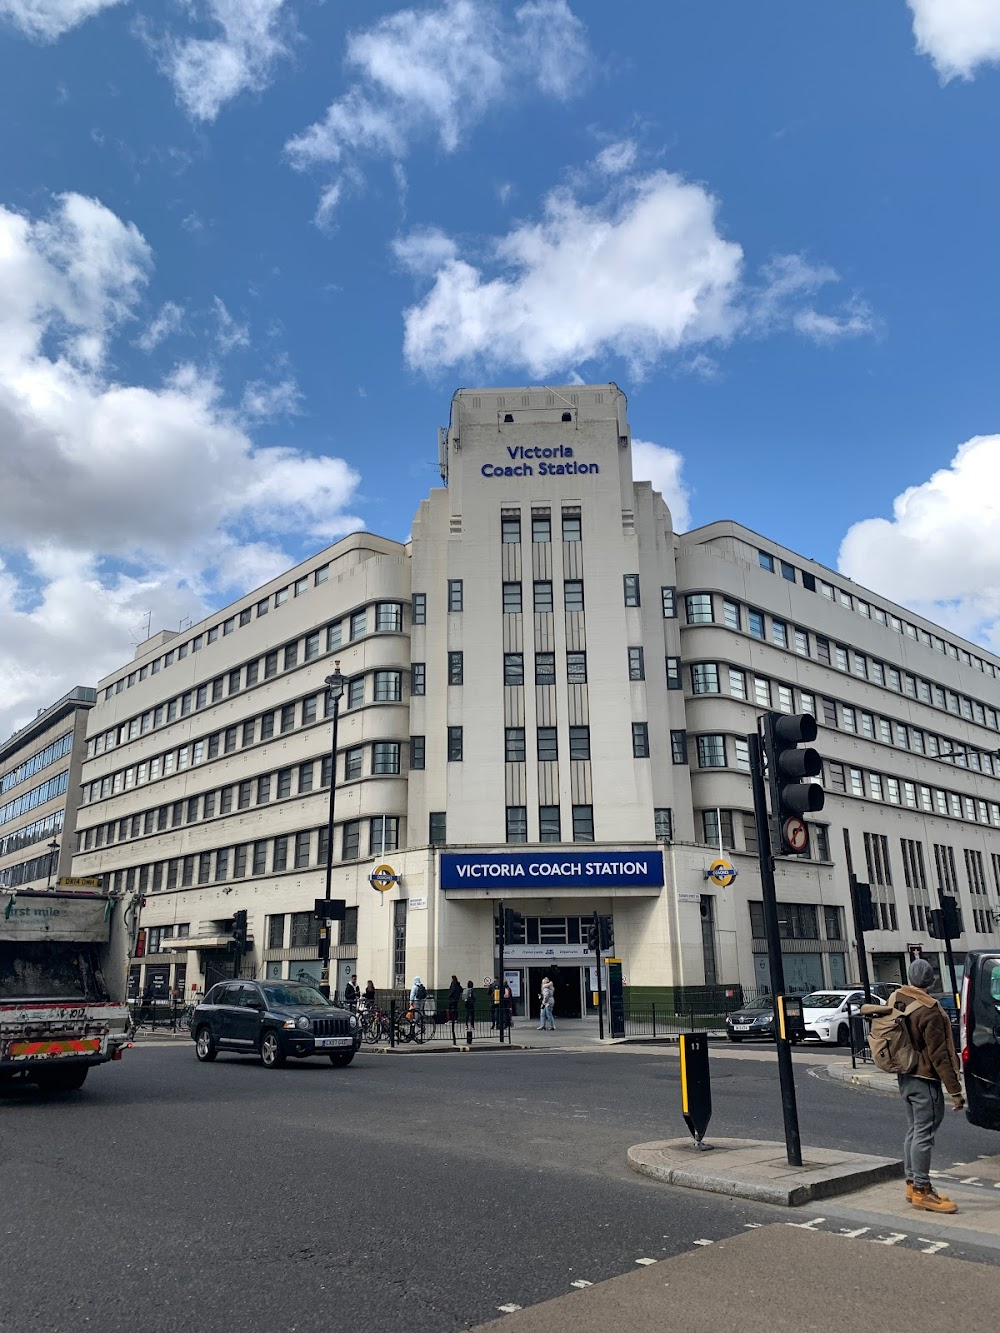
{"type": "Point", "coordinates": [742, 1027]}
{"type": "Point", "coordinates": [324, 1042]}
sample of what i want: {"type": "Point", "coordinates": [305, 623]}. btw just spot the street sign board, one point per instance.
{"type": "Point", "coordinates": [796, 835]}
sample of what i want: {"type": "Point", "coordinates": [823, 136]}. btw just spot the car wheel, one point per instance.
{"type": "Point", "coordinates": [341, 1058]}
{"type": "Point", "coordinates": [843, 1035]}
{"type": "Point", "coordinates": [271, 1054]}
{"type": "Point", "coordinates": [204, 1046]}
{"type": "Point", "coordinates": [732, 1037]}
{"type": "Point", "coordinates": [62, 1080]}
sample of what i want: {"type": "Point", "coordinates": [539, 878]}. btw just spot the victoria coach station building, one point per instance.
{"type": "Point", "coordinates": [547, 696]}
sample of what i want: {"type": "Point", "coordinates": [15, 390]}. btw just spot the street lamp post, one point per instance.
{"type": "Point", "coordinates": [53, 847]}
{"type": "Point", "coordinates": [335, 690]}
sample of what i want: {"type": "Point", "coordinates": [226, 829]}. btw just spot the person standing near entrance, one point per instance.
{"type": "Point", "coordinates": [548, 999]}
{"type": "Point", "coordinates": [469, 998]}
{"type": "Point", "coordinates": [454, 996]}
{"type": "Point", "coordinates": [921, 1091]}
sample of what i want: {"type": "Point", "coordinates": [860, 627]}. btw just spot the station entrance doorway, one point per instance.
{"type": "Point", "coordinates": [568, 982]}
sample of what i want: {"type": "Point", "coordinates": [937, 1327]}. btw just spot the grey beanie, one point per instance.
{"type": "Point", "coordinates": [920, 973]}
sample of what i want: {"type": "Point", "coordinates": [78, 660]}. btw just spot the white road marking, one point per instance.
{"type": "Point", "coordinates": [933, 1246]}
{"type": "Point", "coordinates": [581, 1282]}
{"type": "Point", "coordinates": [751, 1226]}
{"type": "Point", "coordinates": [853, 1235]}
{"type": "Point", "coordinates": [645, 1261]}
{"type": "Point", "coordinates": [509, 1309]}
{"type": "Point", "coordinates": [807, 1226]}
{"type": "Point", "coordinates": [970, 1180]}
{"type": "Point", "coordinates": [893, 1238]}
{"type": "Point", "coordinates": [704, 1242]}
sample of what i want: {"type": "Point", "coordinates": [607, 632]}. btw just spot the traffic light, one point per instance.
{"type": "Point", "coordinates": [866, 909]}
{"type": "Point", "coordinates": [787, 768]}
{"type": "Point", "coordinates": [513, 926]}
{"type": "Point", "coordinates": [240, 931]}
{"type": "Point", "coordinates": [593, 937]}
{"type": "Point", "coordinates": [945, 921]}
{"type": "Point", "coordinates": [140, 944]}
{"type": "Point", "coordinates": [606, 932]}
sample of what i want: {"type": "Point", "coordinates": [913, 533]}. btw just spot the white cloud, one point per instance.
{"type": "Point", "coordinates": [663, 466]}
{"type": "Point", "coordinates": [264, 402]}
{"type": "Point", "coordinates": [940, 551]}
{"type": "Point", "coordinates": [617, 157]}
{"type": "Point", "coordinates": [958, 35]}
{"type": "Point", "coordinates": [121, 498]}
{"type": "Point", "coordinates": [167, 322]}
{"type": "Point", "coordinates": [230, 333]}
{"type": "Point", "coordinates": [46, 20]}
{"type": "Point", "coordinates": [435, 73]}
{"type": "Point", "coordinates": [642, 272]}
{"type": "Point", "coordinates": [209, 72]}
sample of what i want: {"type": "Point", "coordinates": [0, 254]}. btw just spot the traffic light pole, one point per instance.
{"type": "Point", "coordinates": [500, 979]}
{"type": "Point", "coordinates": [948, 951]}
{"type": "Point", "coordinates": [786, 1075]}
{"type": "Point", "coordinates": [600, 984]}
{"type": "Point", "coordinates": [859, 930]}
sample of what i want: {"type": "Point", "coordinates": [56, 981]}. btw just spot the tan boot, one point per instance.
{"type": "Point", "coordinates": [909, 1191]}
{"type": "Point", "coordinates": [928, 1200]}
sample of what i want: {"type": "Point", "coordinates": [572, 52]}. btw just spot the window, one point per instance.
{"type": "Point", "coordinates": [385, 757]}
{"type": "Point", "coordinates": [514, 751]}
{"type": "Point", "coordinates": [711, 752]}
{"type": "Point", "coordinates": [636, 664]}
{"type": "Point", "coordinates": [264, 789]}
{"type": "Point", "coordinates": [517, 823]}
{"type": "Point", "coordinates": [704, 678]}
{"type": "Point", "coordinates": [674, 681]}
{"type": "Point", "coordinates": [779, 633]}
{"type": "Point", "coordinates": [291, 656]}
{"type": "Point", "coordinates": [510, 528]}
{"type": "Point", "coordinates": [755, 624]}
{"type": "Point", "coordinates": [512, 598]}
{"type": "Point", "coordinates": [418, 678]}
{"type": "Point", "coordinates": [513, 668]}
{"type": "Point", "coordinates": [455, 745]}
{"type": "Point", "coordinates": [455, 595]}
{"type": "Point", "coordinates": [192, 810]}
{"type": "Point", "coordinates": [877, 858]}
{"type": "Point", "coordinates": [737, 683]}
{"type": "Point", "coordinates": [417, 752]}
{"type": "Point", "coordinates": [287, 717]}
{"type": "Point", "coordinates": [543, 595]}
{"type": "Point", "coordinates": [640, 740]}
{"type": "Point", "coordinates": [334, 635]}
{"type": "Point", "coordinates": [383, 836]}
{"type": "Point", "coordinates": [576, 668]}
{"type": "Point", "coordinates": [802, 642]}
{"type": "Point", "coordinates": [571, 525]}
{"type": "Point", "coordinates": [243, 797]}
{"type": "Point", "coordinates": [742, 759]}
{"type": "Point", "coordinates": [388, 616]}
{"type": "Point", "coordinates": [302, 850]}
{"type": "Point", "coordinates": [698, 608]}
{"type": "Point", "coordinates": [631, 582]}
{"type": "Point", "coordinates": [251, 674]}
{"type": "Point", "coordinates": [583, 823]}
{"type": "Point", "coordinates": [835, 776]}
{"type": "Point", "coordinates": [762, 692]}
{"type": "Point", "coordinates": [284, 787]}
{"type": "Point", "coordinates": [663, 824]}
{"type": "Point", "coordinates": [718, 834]}
{"type": "Point", "coordinates": [668, 600]}
{"type": "Point", "coordinates": [301, 585]}
{"type": "Point", "coordinates": [842, 660]}
{"type": "Point", "coordinates": [548, 745]}
{"type": "Point", "coordinates": [579, 742]}
{"type": "Point", "coordinates": [358, 623]}
{"type": "Point", "coordinates": [259, 864]}
{"type": "Point", "coordinates": [678, 747]}
{"type": "Point", "coordinates": [354, 759]}
{"type": "Point", "coordinates": [573, 594]}
{"type": "Point", "coordinates": [350, 844]}
{"type": "Point", "coordinates": [785, 704]}
{"type": "Point", "coordinates": [281, 597]}
{"type": "Point", "coordinates": [548, 823]}
{"type": "Point", "coordinates": [541, 527]}
{"type": "Point", "coordinates": [437, 829]}
{"type": "Point", "coordinates": [787, 571]}
{"type": "Point", "coordinates": [418, 608]}
{"type": "Point", "coordinates": [266, 726]}
{"type": "Point", "coordinates": [545, 668]}
{"type": "Point", "coordinates": [731, 614]}
{"type": "Point", "coordinates": [455, 668]}
{"type": "Point", "coordinates": [389, 686]}
{"type": "Point", "coordinates": [766, 561]}
{"type": "Point", "coordinates": [309, 710]}
{"type": "Point", "coordinates": [279, 856]}
{"type": "Point", "coordinates": [304, 930]}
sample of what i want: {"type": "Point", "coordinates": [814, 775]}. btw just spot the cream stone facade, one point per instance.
{"type": "Point", "coordinates": [548, 697]}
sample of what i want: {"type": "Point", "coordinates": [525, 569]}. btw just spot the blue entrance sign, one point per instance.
{"type": "Point", "coordinates": [545, 870]}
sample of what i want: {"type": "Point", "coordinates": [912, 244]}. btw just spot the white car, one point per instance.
{"type": "Point", "coordinates": [824, 1013]}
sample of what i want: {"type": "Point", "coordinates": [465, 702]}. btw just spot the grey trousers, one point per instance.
{"type": "Point", "coordinates": [924, 1102]}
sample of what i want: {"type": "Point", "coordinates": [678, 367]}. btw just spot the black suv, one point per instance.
{"type": "Point", "coordinates": [274, 1019]}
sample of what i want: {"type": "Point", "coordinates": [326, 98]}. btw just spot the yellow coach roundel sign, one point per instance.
{"type": "Point", "coordinates": [721, 872]}
{"type": "Point", "coordinates": [382, 878]}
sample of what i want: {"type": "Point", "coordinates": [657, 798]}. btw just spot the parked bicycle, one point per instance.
{"type": "Point", "coordinates": [374, 1024]}
{"type": "Point", "coordinates": [410, 1026]}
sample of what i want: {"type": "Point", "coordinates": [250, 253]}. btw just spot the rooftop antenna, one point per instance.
{"type": "Point", "coordinates": [145, 628]}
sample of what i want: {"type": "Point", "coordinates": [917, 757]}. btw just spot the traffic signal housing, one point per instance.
{"type": "Point", "coordinates": [945, 921]}
{"type": "Point", "coordinates": [865, 907]}
{"type": "Point", "coordinates": [513, 926]}
{"type": "Point", "coordinates": [606, 932]}
{"type": "Point", "coordinates": [240, 930]}
{"type": "Point", "coordinates": [788, 767]}
{"type": "Point", "coordinates": [593, 937]}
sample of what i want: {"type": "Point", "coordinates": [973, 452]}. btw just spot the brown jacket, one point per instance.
{"type": "Point", "coordinates": [930, 1030]}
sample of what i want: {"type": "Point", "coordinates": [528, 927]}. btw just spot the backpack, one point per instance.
{"type": "Point", "coordinates": [890, 1041]}
{"type": "Point", "coordinates": [421, 992]}
{"type": "Point", "coordinates": [467, 994]}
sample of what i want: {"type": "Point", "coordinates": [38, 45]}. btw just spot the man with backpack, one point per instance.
{"type": "Point", "coordinates": [911, 1038]}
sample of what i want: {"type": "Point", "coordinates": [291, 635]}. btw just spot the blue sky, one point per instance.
{"type": "Point", "coordinates": [249, 248]}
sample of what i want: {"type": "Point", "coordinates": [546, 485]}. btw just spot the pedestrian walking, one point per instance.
{"type": "Point", "coordinates": [352, 992]}
{"type": "Point", "coordinates": [930, 1034]}
{"type": "Point", "coordinates": [418, 994]}
{"type": "Point", "coordinates": [508, 1005]}
{"type": "Point", "coordinates": [469, 999]}
{"type": "Point", "coordinates": [370, 995]}
{"type": "Point", "coordinates": [454, 997]}
{"type": "Point", "coordinates": [548, 999]}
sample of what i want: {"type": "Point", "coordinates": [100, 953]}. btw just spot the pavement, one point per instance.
{"type": "Point", "coordinates": [755, 1283]}
{"type": "Point", "coordinates": [757, 1169]}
